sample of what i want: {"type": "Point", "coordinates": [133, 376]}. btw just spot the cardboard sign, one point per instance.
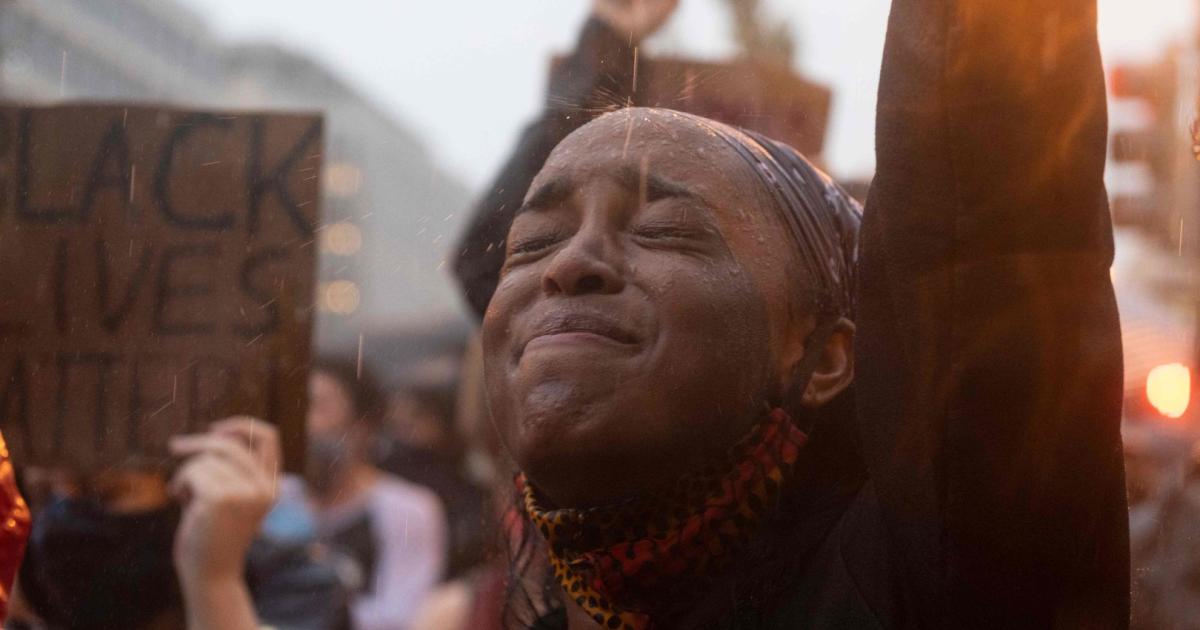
{"type": "Point", "coordinates": [764, 96]}
{"type": "Point", "coordinates": [156, 273]}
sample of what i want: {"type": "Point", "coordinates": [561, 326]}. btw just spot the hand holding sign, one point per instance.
{"type": "Point", "coordinates": [227, 485]}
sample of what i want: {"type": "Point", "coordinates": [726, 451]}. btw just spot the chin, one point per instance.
{"type": "Point", "coordinates": [554, 410]}
{"type": "Point", "coordinates": [566, 435]}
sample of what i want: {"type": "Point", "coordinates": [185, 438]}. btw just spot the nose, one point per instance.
{"type": "Point", "coordinates": [584, 265]}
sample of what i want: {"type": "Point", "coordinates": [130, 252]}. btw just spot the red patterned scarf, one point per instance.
{"type": "Point", "coordinates": [621, 563]}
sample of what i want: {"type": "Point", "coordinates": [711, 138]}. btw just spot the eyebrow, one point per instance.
{"type": "Point", "coordinates": [655, 187]}
{"type": "Point", "coordinates": [551, 193]}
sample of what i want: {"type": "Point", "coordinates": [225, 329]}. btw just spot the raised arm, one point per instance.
{"type": "Point", "coordinates": [596, 77]}
{"type": "Point", "coordinates": [989, 360]}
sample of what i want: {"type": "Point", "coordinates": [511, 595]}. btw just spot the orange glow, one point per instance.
{"type": "Point", "coordinates": [341, 239]}
{"type": "Point", "coordinates": [340, 296]}
{"type": "Point", "coordinates": [1169, 389]}
{"type": "Point", "coordinates": [343, 179]}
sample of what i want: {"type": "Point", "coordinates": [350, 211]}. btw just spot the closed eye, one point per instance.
{"type": "Point", "coordinates": [667, 231]}
{"type": "Point", "coordinates": [533, 244]}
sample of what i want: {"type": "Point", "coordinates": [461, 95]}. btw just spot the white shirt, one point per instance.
{"type": "Point", "coordinates": [409, 527]}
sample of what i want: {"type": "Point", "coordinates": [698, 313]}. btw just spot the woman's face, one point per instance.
{"type": "Point", "coordinates": [330, 407]}
{"type": "Point", "coordinates": [642, 319]}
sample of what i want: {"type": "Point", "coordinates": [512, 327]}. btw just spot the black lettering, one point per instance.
{"type": "Point", "coordinates": [6, 142]}
{"type": "Point", "coordinates": [140, 408]}
{"type": "Point", "coordinates": [274, 378]}
{"type": "Point", "coordinates": [259, 184]}
{"type": "Point", "coordinates": [113, 148]}
{"type": "Point", "coordinates": [112, 318]}
{"type": "Point", "coordinates": [167, 290]}
{"type": "Point", "coordinates": [206, 404]}
{"type": "Point", "coordinates": [103, 363]}
{"type": "Point", "coordinates": [162, 177]}
{"type": "Point", "coordinates": [15, 393]}
{"type": "Point", "coordinates": [266, 302]}
{"type": "Point", "coordinates": [61, 317]}
{"type": "Point", "coordinates": [25, 211]}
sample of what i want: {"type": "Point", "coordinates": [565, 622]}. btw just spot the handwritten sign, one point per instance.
{"type": "Point", "coordinates": [156, 273]}
{"type": "Point", "coordinates": [766, 97]}
{"type": "Point", "coordinates": [761, 95]}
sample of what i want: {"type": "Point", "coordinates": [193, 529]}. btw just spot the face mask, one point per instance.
{"type": "Point", "coordinates": [86, 567]}
{"type": "Point", "coordinates": [329, 459]}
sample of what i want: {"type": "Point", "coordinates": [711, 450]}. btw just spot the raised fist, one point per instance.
{"type": "Point", "coordinates": [637, 18]}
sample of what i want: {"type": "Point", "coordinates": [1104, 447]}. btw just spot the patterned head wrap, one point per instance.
{"type": "Point", "coordinates": [822, 218]}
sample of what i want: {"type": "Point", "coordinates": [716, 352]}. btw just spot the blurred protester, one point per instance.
{"type": "Point", "coordinates": [669, 326]}
{"type": "Point", "coordinates": [1165, 534]}
{"type": "Point", "coordinates": [387, 535]}
{"type": "Point", "coordinates": [421, 445]}
{"type": "Point", "coordinates": [100, 555]}
{"type": "Point", "coordinates": [474, 600]}
{"type": "Point", "coordinates": [1152, 456]}
{"type": "Point", "coordinates": [118, 552]}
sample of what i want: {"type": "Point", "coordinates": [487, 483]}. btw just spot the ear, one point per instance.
{"type": "Point", "coordinates": [835, 367]}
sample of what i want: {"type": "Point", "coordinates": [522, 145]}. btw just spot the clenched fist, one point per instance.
{"type": "Point", "coordinates": [637, 18]}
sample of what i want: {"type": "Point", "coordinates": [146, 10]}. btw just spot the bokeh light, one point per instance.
{"type": "Point", "coordinates": [1169, 389]}
{"type": "Point", "coordinates": [340, 296]}
{"type": "Point", "coordinates": [341, 239]}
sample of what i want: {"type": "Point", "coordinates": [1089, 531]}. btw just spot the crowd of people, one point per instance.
{"type": "Point", "coordinates": [364, 538]}
{"type": "Point", "coordinates": [680, 416]}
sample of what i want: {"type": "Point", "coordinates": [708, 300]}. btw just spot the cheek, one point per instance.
{"type": "Point", "coordinates": [516, 291]}
{"type": "Point", "coordinates": [716, 340]}
{"type": "Point", "coordinates": [764, 261]}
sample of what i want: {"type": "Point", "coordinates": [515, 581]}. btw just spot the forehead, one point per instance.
{"type": "Point", "coordinates": [653, 141]}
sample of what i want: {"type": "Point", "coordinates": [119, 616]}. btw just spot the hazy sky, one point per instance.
{"type": "Point", "coordinates": [467, 75]}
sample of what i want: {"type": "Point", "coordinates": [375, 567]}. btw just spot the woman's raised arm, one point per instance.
{"type": "Point", "coordinates": [989, 359]}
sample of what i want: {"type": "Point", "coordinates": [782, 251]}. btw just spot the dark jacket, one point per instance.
{"type": "Point", "coordinates": [989, 382]}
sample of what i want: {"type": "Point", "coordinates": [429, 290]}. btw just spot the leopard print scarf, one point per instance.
{"type": "Point", "coordinates": [628, 564]}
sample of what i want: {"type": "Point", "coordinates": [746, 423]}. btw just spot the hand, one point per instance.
{"type": "Point", "coordinates": [227, 485]}
{"type": "Point", "coordinates": [637, 18]}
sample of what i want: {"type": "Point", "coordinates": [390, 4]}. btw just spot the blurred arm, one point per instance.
{"type": "Point", "coordinates": [219, 605]}
{"type": "Point", "coordinates": [227, 483]}
{"type": "Point", "coordinates": [597, 76]}
{"type": "Point", "coordinates": [989, 369]}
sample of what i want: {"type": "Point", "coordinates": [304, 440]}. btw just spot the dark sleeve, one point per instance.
{"type": "Point", "coordinates": [989, 371]}
{"type": "Point", "coordinates": [596, 77]}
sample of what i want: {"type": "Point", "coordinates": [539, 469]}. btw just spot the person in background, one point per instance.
{"type": "Point", "coordinates": [421, 445]}
{"type": "Point", "coordinates": [1166, 549]}
{"type": "Point", "coordinates": [475, 599]}
{"type": "Point", "coordinates": [132, 549]}
{"type": "Point", "coordinates": [388, 535]}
